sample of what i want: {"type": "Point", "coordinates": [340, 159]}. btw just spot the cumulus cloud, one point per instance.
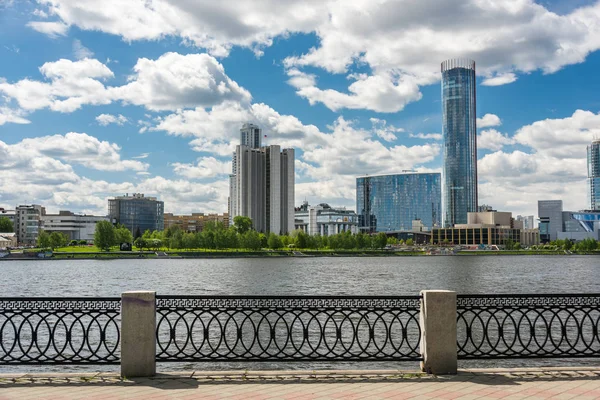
{"type": "Point", "coordinates": [106, 119]}
{"type": "Point", "coordinates": [493, 140]}
{"type": "Point", "coordinates": [499, 80]}
{"type": "Point", "coordinates": [383, 130]}
{"type": "Point", "coordinates": [8, 115]}
{"type": "Point", "coordinates": [427, 136]}
{"type": "Point", "coordinates": [205, 167]}
{"type": "Point", "coordinates": [488, 120]}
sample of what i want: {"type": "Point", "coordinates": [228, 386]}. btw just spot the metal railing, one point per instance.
{"type": "Point", "coordinates": [528, 326]}
{"type": "Point", "coordinates": [65, 330]}
{"type": "Point", "coordinates": [286, 328]}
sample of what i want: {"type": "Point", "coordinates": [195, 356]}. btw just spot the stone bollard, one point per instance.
{"type": "Point", "coordinates": [138, 334]}
{"type": "Point", "coordinates": [438, 332]}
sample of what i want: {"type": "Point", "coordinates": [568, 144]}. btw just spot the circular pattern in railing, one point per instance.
{"type": "Point", "coordinates": [522, 326]}
{"type": "Point", "coordinates": [300, 329]}
{"type": "Point", "coordinates": [60, 331]}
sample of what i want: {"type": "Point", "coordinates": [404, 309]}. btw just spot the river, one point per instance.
{"type": "Point", "coordinates": [305, 276]}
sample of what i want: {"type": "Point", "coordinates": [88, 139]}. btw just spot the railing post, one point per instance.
{"type": "Point", "coordinates": [438, 332]}
{"type": "Point", "coordinates": [138, 337]}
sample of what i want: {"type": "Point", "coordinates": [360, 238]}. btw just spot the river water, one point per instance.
{"type": "Point", "coordinates": [305, 276]}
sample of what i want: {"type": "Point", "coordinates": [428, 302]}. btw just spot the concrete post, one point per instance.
{"type": "Point", "coordinates": [138, 336]}
{"type": "Point", "coordinates": [438, 332]}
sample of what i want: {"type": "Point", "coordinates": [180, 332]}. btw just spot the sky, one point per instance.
{"type": "Point", "coordinates": [103, 98]}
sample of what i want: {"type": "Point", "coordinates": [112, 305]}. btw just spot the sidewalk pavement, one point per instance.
{"type": "Point", "coordinates": [546, 383]}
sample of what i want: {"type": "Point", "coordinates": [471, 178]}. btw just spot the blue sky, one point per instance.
{"type": "Point", "coordinates": [102, 98]}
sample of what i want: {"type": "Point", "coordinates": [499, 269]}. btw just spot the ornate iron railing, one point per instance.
{"type": "Point", "coordinates": [286, 328]}
{"type": "Point", "coordinates": [528, 326]}
{"type": "Point", "coordinates": [66, 330]}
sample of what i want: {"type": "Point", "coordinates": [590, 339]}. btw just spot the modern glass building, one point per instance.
{"type": "Point", "coordinates": [593, 160]}
{"type": "Point", "coordinates": [387, 203]}
{"type": "Point", "coordinates": [137, 212]}
{"type": "Point", "coordinates": [459, 187]}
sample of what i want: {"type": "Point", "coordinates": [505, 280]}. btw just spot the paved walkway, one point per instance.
{"type": "Point", "coordinates": [554, 383]}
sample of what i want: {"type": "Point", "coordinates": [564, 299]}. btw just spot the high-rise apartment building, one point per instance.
{"type": "Point", "coordinates": [593, 162]}
{"type": "Point", "coordinates": [251, 136]}
{"type": "Point", "coordinates": [261, 185]}
{"type": "Point", "coordinates": [137, 212]}
{"type": "Point", "coordinates": [387, 203]}
{"type": "Point", "coordinates": [459, 130]}
{"type": "Point", "coordinates": [27, 223]}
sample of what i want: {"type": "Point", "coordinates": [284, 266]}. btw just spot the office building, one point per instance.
{"type": "Point", "coordinates": [27, 223]}
{"type": "Point", "coordinates": [488, 228]}
{"type": "Point", "coordinates": [261, 185]}
{"type": "Point", "coordinates": [593, 163]}
{"type": "Point", "coordinates": [137, 212]}
{"type": "Point", "coordinates": [195, 222]}
{"type": "Point", "coordinates": [251, 136]}
{"type": "Point", "coordinates": [528, 221]}
{"type": "Point", "coordinates": [550, 216]}
{"type": "Point", "coordinates": [459, 187]}
{"type": "Point", "coordinates": [325, 220]}
{"type": "Point", "coordinates": [74, 226]}
{"type": "Point", "coordinates": [390, 203]}
{"type": "Point", "coordinates": [580, 225]}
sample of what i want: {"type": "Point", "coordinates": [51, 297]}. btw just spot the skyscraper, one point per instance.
{"type": "Point", "coordinates": [459, 130]}
{"type": "Point", "coordinates": [593, 160]}
{"type": "Point", "coordinates": [261, 185]}
{"type": "Point", "coordinates": [250, 135]}
{"type": "Point", "coordinates": [386, 203]}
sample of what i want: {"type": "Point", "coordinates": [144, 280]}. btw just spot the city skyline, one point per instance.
{"type": "Point", "coordinates": [82, 118]}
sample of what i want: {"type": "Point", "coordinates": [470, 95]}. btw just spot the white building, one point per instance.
{"type": "Point", "coordinates": [75, 226]}
{"type": "Point", "coordinates": [261, 186]}
{"type": "Point", "coordinates": [527, 221]}
{"type": "Point", "coordinates": [325, 220]}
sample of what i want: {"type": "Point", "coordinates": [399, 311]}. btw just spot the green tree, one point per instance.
{"type": "Point", "coordinates": [392, 241]}
{"type": "Point", "coordinates": [517, 246]}
{"type": "Point", "coordinates": [43, 240]}
{"type": "Point", "coordinates": [104, 237]}
{"type": "Point", "coordinates": [58, 239]}
{"type": "Point", "coordinates": [123, 235]}
{"type": "Point", "coordinates": [6, 225]}
{"type": "Point", "coordinates": [274, 241]}
{"type": "Point", "coordinates": [242, 224]}
{"type": "Point", "coordinates": [251, 240]}
{"type": "Point", "coordinates": [140, 243]}
{"type": "Point", "coordinates": [509, 244]}
{"type": "Point", "coordinates": [380, 240]}
{"type": "Point", "coordinates": [409, 242]}
{"type": "Point", "coordinates": [83, 242]}
{"type": "Point", "coordinates": [301, 239]}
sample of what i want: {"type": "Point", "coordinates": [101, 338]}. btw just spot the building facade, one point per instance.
{"type": "Point", "coordinates": [325, 220]}
{"type": "Point", "coordinates": [74, 226]}
{"type": "Point", "coordinates": [137, 212]}
{"type": "Point", "coordinates": [27, 223]}
{"type": "Point", "coordinates": [550, 215]}
{"type": "Point", "coordinates": [10, 214]}
{"type": "Point", "coordinates": [261, 187]}
{"type": "Point", "coordinates": [580, 225]}
{"type": "Point", "coordinates": [251, 136]}
{"type": "Point", "coordinates": [386, 203]}
{"type": "Point", "coordinates": [459, 131]}
{"type": "Point", "coordinates": [593, 163]}
{"type": "Point", "coordinates": [528, 221]}
{"type": "Point", "coordinates": [195, 222]}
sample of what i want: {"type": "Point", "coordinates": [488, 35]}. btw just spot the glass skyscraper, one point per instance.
{"type": "Point", "coordinates": [593, 160]}
{"type": "Point", "coordinates": [387, 203]}
{"type": "Point", "coordinates": [459, 187]}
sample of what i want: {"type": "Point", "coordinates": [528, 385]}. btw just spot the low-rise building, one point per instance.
{"type": "Point", "coordinates": [74, 226]}
{"type": "Point", "coordinates": [8, 240]}
{"type": "Point", "coordinates": [580, 225]}
{"type": "Point", "coordinates": [325, 220]}
{"type": "Point", "coordinates": [10, 214]}
{"type": "Point", "coordinates": [195, 222]}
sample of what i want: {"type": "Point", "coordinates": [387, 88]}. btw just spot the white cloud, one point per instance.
{"type": "Point", "coordinates": [427, 136]}
{"type": "Point", "coordinates": [141, 156]}
{"type": "Point", "coordinates": [52, 29]}
{"type": "Point", "coordinates": [8, 115]}
{"type": "Point", "coordinates": [205, 167]}
{"type": "Point", "coordinates": [40, 13]}
{"type": "Point", "coordinates": [493, 140]}
{"type": "Point", "coordinates": [488, 120]}
{"type": "Point", "coordinates": [80, 51]}
{"type": "Point", "coordinates": [106, 119]}
{"type": "Point", "coordinates": [383, 130]}
{"type": "Point", "coordinates": [499, 80]}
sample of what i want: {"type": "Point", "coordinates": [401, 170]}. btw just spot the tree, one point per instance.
{"type": "Point", "coordinates": [82, 242]}
{"type": "Point", "coordinates": [242, 224]}
{"type": "Point", "coordinates": [301, 240]}
{"type": "Point", "coordinates": [104, 237]}
{"type": "Point", "coordinates": [6, 225]}
{"type": "Point", "coordinates": [58, 239]}
{"type": "Point", "coordinates": [274, 241]}
{"type": "Point", "coordinates": [251, 240]}
{"type": "Point", "coordinates": [43, 240]}
{"type": "Point", "coordinates": [123, 235]}
{"type": "Point", "coordinates": [380, 240]}
{"type": "Point", "coordinates": [140, 243]}
{"type": "Point", "coordinates": [409, 242]}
